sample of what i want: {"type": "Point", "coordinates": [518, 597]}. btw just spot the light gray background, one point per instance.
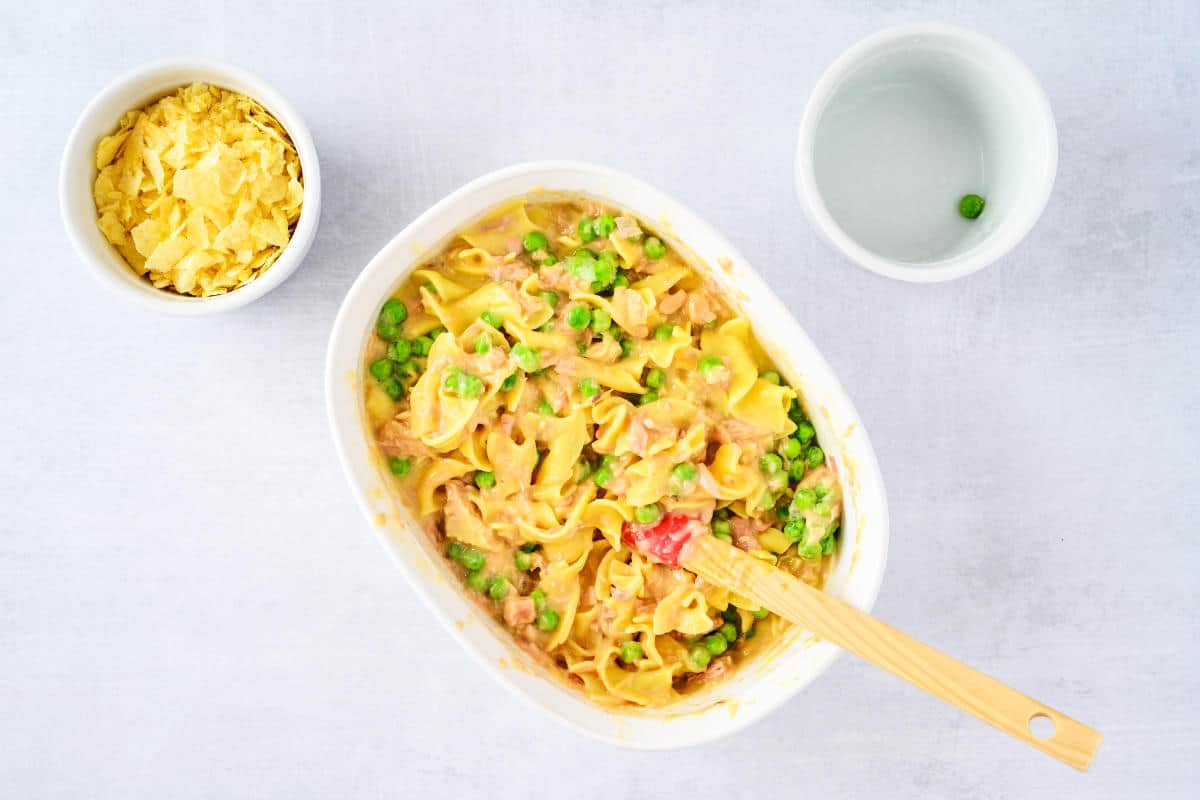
{"type": "Point", "coordinates": [191, 606]}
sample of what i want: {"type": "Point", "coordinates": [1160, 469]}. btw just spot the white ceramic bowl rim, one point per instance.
{"type": "Point", "coordinates": [132, 90]}
{"type": "Point", "coordinates": [990, 249]}
{"type": "Point", "coordinates": [759, 686]}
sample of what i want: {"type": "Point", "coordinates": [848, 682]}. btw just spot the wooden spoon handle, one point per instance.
{"type": "Point", "coordinates": [834, 620]}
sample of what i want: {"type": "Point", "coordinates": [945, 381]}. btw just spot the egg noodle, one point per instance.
{"type": "Point", "coordinates": [558, 375]}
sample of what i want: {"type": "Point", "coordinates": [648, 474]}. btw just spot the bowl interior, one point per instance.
{"type": "Point", "coordinates": [78, 174]}
{"type": "Point", "coordinates": [911, 120]}
{"type": "Point", "coordinates": [761, 684]}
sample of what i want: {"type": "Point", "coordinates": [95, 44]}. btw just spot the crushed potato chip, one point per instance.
{"type": "Point", "coordinates": [199, 191]}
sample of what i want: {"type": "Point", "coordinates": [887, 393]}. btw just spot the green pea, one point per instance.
{"type": "Point", "coordinates": [721, 527]}
{"type": "Point", "coordinates": [822, 509]}
{"type": "Point", "coordinates": [971, 206]}
{"type": "Point", "coordinates": [647, 515]}
{"type": "Point", "coordinates": [492, 318]}
{"type": "Point", "coordinates": [534, 241]}
{"type": "Point", "coordinates": [484, 479]}
{"type": "Point", "coordinates": [648, 398]}
{"type": "Point", "coordinates": [627, 347]}
{"type": "Point", "coordinates": [601, 320]}
{"type": "Point", "coordinates": [605, 225]}
{"type": "Point", "coordinates": [805, 432]}
{"type": "Point", "coordinates": [767, 500]}
{"type": "Point", "coordinates": [602, 475]}
{"type": "Point", "coordinates": [809, 550]}
{"type": "Point", "coordinates": [796, 470]}
{"type": "Point", "coordinates": [761, 613]}
{"type": "Point", "coordinates": [454, 550]}
{"type": "Point", "coordinates": [630, 652]}
{"type": "Point", "coordinates": [581, 348]}
{"type": "Point", "coordinates": [803, 500]}
{"type": "Point", "coordinates": [815, 456]}
{"type": "Point", "coordinates": [654, 248]}
{"type": "Point", "coordinates": [421, 345]}
{"type": "Point", "coordinates": [477, 581]}
{"type": "Point", "coordinates": [472, 559]}
{"type": "Point", "coordinates": [399, 466]}
{"type": "Point", "coordinates": [387, 330]}
{"type": "Point", "coordinates": [725, 537]}
{"type": "Point", "coordinates": [509, 383]}
{"type": "Point", "coordinates": [399, 350]}
{"type": "Point", "coordinates": [715, 644]}
{"type": "Point", "coordinates": [550, 297]}
{"type": "Point", "coordinates": [664, 332]}
{"type": "Point", "coordinates": [721, 513]}
{"type": "Point", "coordinates": [684, 472]}
{"type": "Point", "coordinates": [392, 388]}
{"type": "Point", "coordinates": [708, 364]}
{"type": "Point", "coordinates": [522, 560]}
{"type": "Point", "coordinates": [770, 464]}
{"type": "Point", "coordinates": [790, 448]}
{"type": "Point", "coordinates": [394, 312]}
{"type": "Point", "coordinates": [794, 528]}
{"type": "Point", "coordinates": [539, 598]}
{"type": "Point", "coordinates": [498, 588]}
{"type": "Point", "coordinates": [771, 376]}
{"type": "Point", "coordinates": [544, 408]}
{"type": "Point", "coordinates": [698, 657]}
{"type": "Point", "coordinates": [620, 280]}
{"type": "Point", "coordinates": [828, 543]}
{"type": "Point", "coordinates": [729, 632]}
{"type": "Point", "coordinates": [579, 317]}
{"type": "Point", "coordinates": [605, 271]}
{"type": "Point", "coordinates": [482, 344]}
{"type": "Point", "coordinates": [436, 332]}
{"type": "Point", "coordinates": [458, 381]}
{"type": "Point", "coordinates": [547, 620]}
{"type": "Point", "coordinates": [527, 357]}
{"type": "Point", "coordinates": [549, 259]}
{"type": "Point", "coordinates": [589, 388]}
{"type": "Point", "coordinates": [656, 378]}
{"type": "Point", "coordinates": [750, 634]}
{"type": "Point", "coordinates": [587, 229]}
{"type": "Point", "coordinates": [381, 369]}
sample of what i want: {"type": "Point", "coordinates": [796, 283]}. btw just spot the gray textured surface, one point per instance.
{"type": "Point", "coordinates": [190, 605]}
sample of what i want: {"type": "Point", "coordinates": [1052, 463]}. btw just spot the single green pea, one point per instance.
{"type": "Point", "coordinates": [654, 248]}
{"type": "Point", "coordinates": [550, 297]}
{"type": "Point", "coordinates": [477, 581]}
{"type": "Point", "coordinates": [438, 331]}
{"type": "Point", "coordinates": [803, 500]}
{"type": "Point", "coordinates": [492, 318]}
{"type": "Point", "coordinates": [394, 312]}
{"type": "Point", "coordinates": [709, 363]}
{"type": "Point", "coordinates": [509, 383]}
{"type": "Point", "coordinates": [388, 331]}
{"type": "Point", "coordinates": [472, 559]}
{"type": "Point", "coordinates": [721, 526]}
{"type": "Point", "coordinates": [828, 543]}
{"type": "Point", "coordinates": [805, 432]}
{"type": "Point", "coordinates": [770, 464]}
{"type": "Point", "coordinates": [589, 388]}
{"type": "Point", "coordinates": [498, 588]}
{"type": "Point", "coordinates": [664, 332]}
{"type": "Point", "coordinates": [602, 475]}
{"type": "Point", "coordinates": [539, 598]}
{"type": "Point", "coordinates": [648, 398]}
{"type": "Point", "coordinates": [579, 317]}
{"type": "Point", "coordinates": [750, 634]}
{"type": "Point", "coordinates": [971, 206]}
{"type": "Point", "coordinates": [605, 225]}
{"type": "Point", "coordinates": [684, 472]}
{"type": "Point", "coordinates": [761, 613]}
{"type": "Point", "coordinates": [796, 470]}
{"type": "Point", "coordinates": [549, 260]}
{"type": "Point", "coordinates": [715, 644]}
{"type": "Point", "coordinates": [724, 537]}
{"type": "Point", "coordinates": [767, 500]}
{"type": "Point", "coordinates": [587, 229]}
{"type": "Point", "coordinates": [729, 632]}
{"type": "Point", "coordinates": [581, 348]}
{"type": "Point", "coordinates": [399, 466]}
{"type": "Point", "coordinates": [721, 513]}
{"type": "Point", "coordinates": [399, 350]}
{"type": "Point", "coordinates": [627, 347]}
{"type": "Point", "coordinates": [620, 280]}
{"type": "Point", "coordinates": [601, 320]}
{"type": "Point", "coordinates": [809, 550]}
{"type": "Point", "coordinates": [547, 620]}
{"type": "Point", "coordinates": [534, 241]}
{"type": "Point", "coordinates": [822, 509]}
{"type": "Point", "coordinates": [698, 657]}
{"type": "Point", "coordinates": [528, 358]}
{"type": "Point", "coordinates": [771, 376]}
{"type": "Point", "coordinates": [544, 408]}
{"type": "Point", "coordinates": [392, 388]}
{"type": "Point", "coordinates": [630, 652]}
{"type": "Point", "coordinates": [790, 448]}
{"type": "Point", "coordinates": [656, 378]}
{"type": "Point", "coordinates": [482, 344]}
{"type": "Point", "coordinates": [815, 456]}
{"type": "Point", "coordinates": [794, 528]}
{"type": "Point", "coordinates": [484, 479]}
{"type": "Point", "coordinates": [381, 369]}
{"type": "Point", "coordinates": [605, 271]}
{"type": "Point", "coordinates": [522, 560]}
{"type": "Point", "coordinates": [421, 345]}
{"type": "Point", "coordinates": [454, 550]}
{"type": "Point", "coordinates": [647, 515]}
{"type": "Point", "coordinates": [822, 491]}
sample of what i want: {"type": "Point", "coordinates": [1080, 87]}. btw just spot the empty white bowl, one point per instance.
{"type": "Point", "coordinates": [760, 685]}
{"type": "Point", "coordinates": [900, 127]}
{"type": "Point", "coordinates": [78, 173]}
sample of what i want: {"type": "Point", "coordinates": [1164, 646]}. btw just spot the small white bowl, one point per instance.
{"type": "Point", "coordinates": [78, 173]}
{"type": "Point", "coordinates": [759, 686]}
{"type": "Point", "coordinates": [900, 127]}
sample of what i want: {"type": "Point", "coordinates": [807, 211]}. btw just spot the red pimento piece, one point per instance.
{"type": "Point", "coordinates": [664, 539]}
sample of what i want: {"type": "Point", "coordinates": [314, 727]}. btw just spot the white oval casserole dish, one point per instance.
{"type": "Point", "coordinates": [758, 686]}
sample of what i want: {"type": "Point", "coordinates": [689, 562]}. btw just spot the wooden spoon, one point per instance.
{"type": "Point", "coordinates": [678, 540]}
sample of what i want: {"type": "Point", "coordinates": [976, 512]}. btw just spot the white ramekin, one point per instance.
{"type": "Point", "coordinates": [78, 173]}
{"type": "Point", "coordinates": [761, 685]}
{"type": "Point", "coordinates": [1017, 122]}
